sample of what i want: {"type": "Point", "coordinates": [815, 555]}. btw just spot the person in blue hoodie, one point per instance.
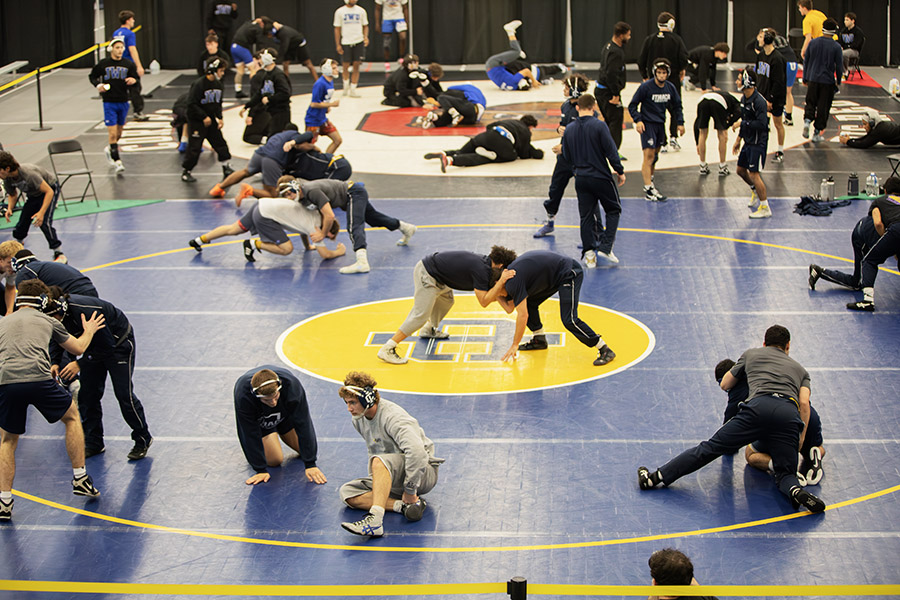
{"type": "Point", "coordinates": [754, 133]}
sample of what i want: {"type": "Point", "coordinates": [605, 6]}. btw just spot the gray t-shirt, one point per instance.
{"type": "Point", "coordinates": [770, 370]}
{"type": "Point", "coordinates": [394, 431]}
{"type": "Point", "coordinates": [320, 192]}
{"type": "Point", "coordinates": [28, 182]}
{"type": "Point", "coordinates": [24, 341]}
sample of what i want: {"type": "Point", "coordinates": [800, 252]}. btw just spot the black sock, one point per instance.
{"type": "Point", "coordinates": [114, 151]}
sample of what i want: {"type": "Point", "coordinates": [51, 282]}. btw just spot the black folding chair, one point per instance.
{"type": "Point", "coordinates": [72, 147]}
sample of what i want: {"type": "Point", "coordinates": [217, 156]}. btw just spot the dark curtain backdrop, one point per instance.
{"type": "Point", "coordinates": [446, 31]}
{"type": "Point", "coordinates": [45, 31]}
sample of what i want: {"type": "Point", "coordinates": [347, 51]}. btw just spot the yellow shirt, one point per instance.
{"type": "Point", "coordinates": [812, 23]}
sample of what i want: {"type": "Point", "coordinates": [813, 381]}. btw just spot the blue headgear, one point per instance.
{"type": "Point", "coordinates": [365, 395]}
{"type": "Point", "coordinates": [18, 263]}
{"type": "Point", "coordinates": [41, 302]}
{"type": "Point", "coordinates": [747, 79]}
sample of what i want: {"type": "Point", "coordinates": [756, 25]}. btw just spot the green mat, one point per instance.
{"type": "Point", "coordinates": [88, 207]}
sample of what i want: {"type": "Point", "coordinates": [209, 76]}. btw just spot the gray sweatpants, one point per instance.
{"type": "Point", "coordinates": [396, 466]}
{"type": "Point", "coordinates": [431, 301]}
{"type": "Point", "coordinates": [504, 57]}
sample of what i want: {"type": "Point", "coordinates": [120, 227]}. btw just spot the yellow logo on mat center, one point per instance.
{"type": "Point", "coordinates": [331, 344]}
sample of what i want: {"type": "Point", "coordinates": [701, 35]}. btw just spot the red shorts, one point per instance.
{"type": "Point", "coordinates": [325, 129]}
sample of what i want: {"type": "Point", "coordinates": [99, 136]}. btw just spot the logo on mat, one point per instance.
{"type": "Point", "coordinates": [329, 345]}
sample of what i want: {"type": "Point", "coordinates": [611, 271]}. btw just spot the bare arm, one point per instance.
{"type": "Point", "coordinates": [38, 218]}
{"type": "Point", "coordinates": [337, 40]}
{"type": "Point", "coordinates": [9, 295]}
{"type": "Point", "coordinates": [521, 321]}
{"type": "Point", "coordinates": [77, 346]}
{"type": "Point", "coordinates": [137, 60]}
{"type": "Point", "coordinates": [876, 219]}
{"type": "Point", "coordinates": [326, 254]}
{"type": "Point", "coordinates": [804, 412]}
{"type": "Point", "coordinates": [327, 219]}
{"type": "Point", "coordinates": [485, 298]}
{"type": "Point", "coordinates": [728, 381]}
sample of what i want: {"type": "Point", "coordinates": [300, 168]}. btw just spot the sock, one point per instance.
{"type": "Point", "coordinates": [781, 147]}
{"type": "Point", "coordinates": [398, 506]}
{"type": "Point", "coordinates": [722, 165]}
{"type": "Point", "coordinates": [237, 85]}
{"type": "Point", "coordinates": [184, 138]}
{"type": "Point", "coordinates": [79, 472]}
{"type": "Point", "coordinates": [390, 344]}
{"type": "Point", "coordinates": [764, 204]}
{"type": "Point", "coordinates": [771, 466]}
{"type": "Point", "coordinates": [539, 332]}
{"type": "Point", "coordinates": [256, 243]}
{"type": "Point", "coordinates": [346, 83]}
{"type": "Point", "coordinates": [551, 218]}
{"type": "Point", "coordinates": [114, 151]}
{"type": "Point", "coordinates": [225, 163]}
{"type": "Point", "coordinates": [378, 513]}
{"type": "Point", "coordinates": [869, 294]}
{"type": "Point", "coordinates": [352, 87]}
{"type": "Point", "coordinates": [704, 165]}
{"type": "Point", "coordinates": [6, 496]}
{"type": "Point", "coordinates": [200, 239]}
{"type": "Point", "coordinates": [648, 187]}
{"type": "Point", "coordinates": [600, 343]}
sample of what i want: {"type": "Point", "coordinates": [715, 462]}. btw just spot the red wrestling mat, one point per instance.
{"type": "Point", "coordinates": [855, 79]}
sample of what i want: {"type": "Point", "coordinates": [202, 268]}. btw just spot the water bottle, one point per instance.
{"type": "Point", "coordinates": [871, 188]}
{"type": "Point", "coordinates": [876, 191]}
{"type": "Point", "coordinates": [894, 86]}
{"type": "Point", "coordinates": [826, 190]}
{"type": "Point", "coordinates": [154, 67]}
{"type": "Point", "coordinates": [853, 185]}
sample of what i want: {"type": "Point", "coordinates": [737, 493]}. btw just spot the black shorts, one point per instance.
{"type": "Point", "coordinates": [269, 231]}
{"type": "Point", "coordinates": [710, 109]}
{"type": "Point", "coordinates": [50, 398]}
{"type": "Point", "coordinates": [283, 428]}
{"type": "Point", "coordinates": [353, 53]}
{"type": "Point", "coordinates": [296, 52]}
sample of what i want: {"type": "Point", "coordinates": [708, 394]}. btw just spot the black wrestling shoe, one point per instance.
{"type": "Point", "coordinates": [227, 170]}
{"type": "Point", "coordinates": [6, 510]}
{"type": "Point", "coordinates": [535, 343]}
{"type": "Point", "coordinates": [414, 512]}
{"type": "Point", "coordinates": [604, 355]}
{"type": "Point", "coordinates": [84, 486]}
{"type": "Point", "coordinates": [89, 452]}
{"type": "Point", "coordinates": [249, 248]}
{"type": "Point", "coordinates": [865, 305]}
{"type": "Point", "coordinates": [645, 479]}
{"type": "Point", "coordinates": [139, 451]}
{"type": "Point", "coordinates": [195, 245]}
{"type": "Point", "coordinates": [800, 497]}
{"type": "Point", "coordinates": [815, 271]}
{"type": "Point", "coordinates": [187, 177]}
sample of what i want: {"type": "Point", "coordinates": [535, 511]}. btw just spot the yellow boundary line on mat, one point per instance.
{"type": "Point", "coordinates": [447, 550]}
{"type": "Point", "coordinates": [519, 226]}
{"type": "Point", "coordinates": [443, 589]}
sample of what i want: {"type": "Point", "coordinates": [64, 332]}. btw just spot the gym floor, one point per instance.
{"type": "Point", "coordinates": [540, 479]}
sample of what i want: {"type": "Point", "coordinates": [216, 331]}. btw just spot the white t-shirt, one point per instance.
{"type": "Point", "coordinates": [351, 20]}
{"type": "Point", "coordinates": [392, 9]}
{"type": "Point", "coordinates": [290, 214]}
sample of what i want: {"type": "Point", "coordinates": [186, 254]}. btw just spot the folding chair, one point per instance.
{"type": "Point", "coordinates": [71, 147]}
{"type": "Point", "coordinates": [853, 63]}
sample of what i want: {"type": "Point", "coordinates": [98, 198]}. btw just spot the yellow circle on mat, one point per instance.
{"type": "Point", "coordinates": [331, 344]}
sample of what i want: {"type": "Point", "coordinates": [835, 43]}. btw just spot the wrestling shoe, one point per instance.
{"type": "Point", "coordinates": [195, 245]}
{"type": "Point", "coordinates": [432, 333]}
{"type": "Point", "coordinates": [815, 271]}
{"type": "Point", "coordinates": [182, 147]}
{"type": "Point", "coordinates": [817, 138]}
{"type": "Point", "coordinates": [538, 342]}
{"type": "Point", "coordinates": [241, 94]}
{"type": "Point", "coordinates": [590, 259]}
{"type": "Point", "coordinates": [753, 199]}
{"type": "Point", "coordinates": [89, 452]}
{"type": "Point", "coordinates": [814, 472]}
{"type": "Point", "coordinates": [408, 230]}
{"type": "Point", "coordinates": [429, 119]}
{"type": "Point", "coordinates": [414, 512]}
{"type": "Point", "coordinates": [108, 153]}
{"type": "Point", "coordinates": [510, 28]}
{"type": "Point", "coordinates": [187, 177]}
{"type": "Point", "coordinates": [139, 451]}
{"type": "Point", "coordinates": [365, 526]}
{"type": "Point", "coordinates": [609, 256]}
{"type": "Point", "coordinates": [141, 117]}
{"type": "Point", "coordinates": [800, 497]}
{"type": "Point", "coordinates": [674, 145]}
{"type": "Point", "coordinates": [488, 154]}
{"type": "Point", "coordinates": [779, 157]}
{"type": "Point", "coordinates": [763, 212]}
{"type": "Point", "coordinates": [604, 355]}
{"type": "Point", "coordinates": [59, 257]}
{"type": "Point", "coordinates": [249, 249]}
{"type": "Point", "coordinates": [217, 192]}
{"type": "Point", "coordinates": [6, 509]}
{"type": "Point", "coordinates": [120, 168]}
{"type": "Point", "coordinates": [246, 192]}
{"type": "Point", "coordinates": [227, 170]}
{"type": "Point", "coordinates": [652, 194]}
{"type": "Point", "coordinates": [389, 355]}
{"type": "Point", "coordinates": [646, 479]}
{"type": "Point", "coordinates": [806, 126]}
{"type": "Point", "coordinates": [545, 230]}
{"type": "Point", "coordinates": [865, 305]}
{"type": "Point", "coordinates": [84, 486]}
{"type": "Point", "coordinates": [445, 160]}
{"type": "Point", "coordinates": [704, 169]}
{"type": "Point", "coordinates": [723, 171]}
{"type": "Point", "coordinates": [457, 118]}
{"type": "Point", "coordinates": [788, 120]}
